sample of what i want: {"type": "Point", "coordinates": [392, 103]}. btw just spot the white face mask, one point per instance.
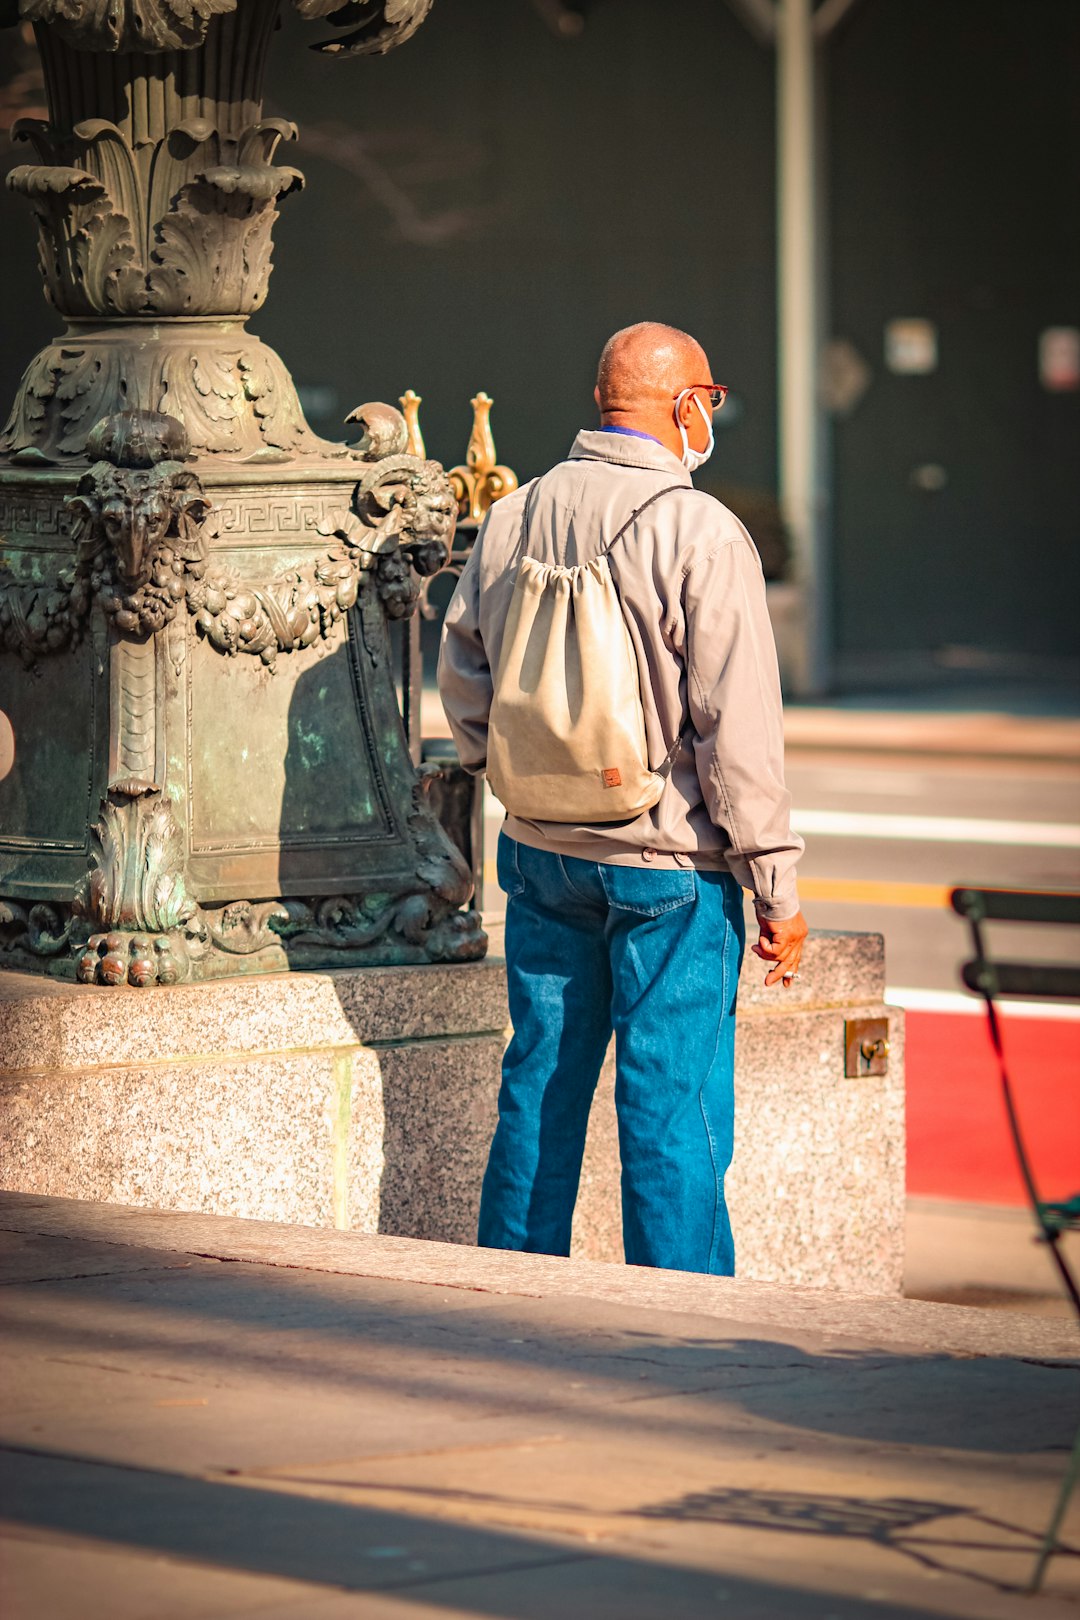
{"type": "Point", "coordinates": [693, 459]}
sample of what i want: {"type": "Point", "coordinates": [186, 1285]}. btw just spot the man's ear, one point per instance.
{"type": "Point", "coordinates": [596, 395]}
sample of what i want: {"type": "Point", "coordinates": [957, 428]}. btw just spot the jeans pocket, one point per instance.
{"type": "Point", "coordinates": [511, 881]}
{"type": "Point", "coordinates": [647, 893]}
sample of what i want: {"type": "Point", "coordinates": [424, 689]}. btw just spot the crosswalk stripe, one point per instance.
{"type": "Point", "coordinates": [936, 829]}
{"type": "Point", "coordinates": [913, 999]}
{"type": "Point", "coordinates": [876, 892]}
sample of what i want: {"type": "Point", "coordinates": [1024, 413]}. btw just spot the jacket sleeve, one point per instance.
{"type": "Point", "coordinates": [464, 675]}
{"type": "Point", "coordinates": [733, 690]}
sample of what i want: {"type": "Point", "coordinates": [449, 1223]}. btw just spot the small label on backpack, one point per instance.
{"type": "Point", "coordinates": [612, 778]}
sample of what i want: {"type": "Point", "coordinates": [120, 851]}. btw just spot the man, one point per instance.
{"type": "Point", "coordinates": [637, 927]}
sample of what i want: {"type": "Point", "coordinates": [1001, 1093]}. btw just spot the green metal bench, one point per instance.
{"type": "Point", "coordinates": [993, 980]}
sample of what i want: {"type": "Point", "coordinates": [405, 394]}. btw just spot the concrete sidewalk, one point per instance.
{"type": "Point", "coordinates": [918, 730]}
{"type": "Point", "coordinates": [209, 1417]}
{"type": "Point", "coordinates": [959, 735]}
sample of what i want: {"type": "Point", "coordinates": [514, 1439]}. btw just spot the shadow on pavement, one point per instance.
{"type": "Point", "coordinates": [298, 1367]}
{"type": "Point", "coordinates": [889, 1521]}
{"type": "Point", "coordinates": [442, 1563]}
{"type": "Point", "coordinates": [347, 1332]}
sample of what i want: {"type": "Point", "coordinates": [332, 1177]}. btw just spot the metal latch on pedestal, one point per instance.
{"type": "Point", "coordinates": [866, 1046]}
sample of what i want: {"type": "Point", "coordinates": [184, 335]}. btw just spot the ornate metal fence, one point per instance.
{"type": "Point", "coordinates": [455, 796]}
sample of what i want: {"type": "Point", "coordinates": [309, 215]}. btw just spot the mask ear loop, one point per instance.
{"type": "Point", "coordinates": [679, 425]}
{"type": "Point", "coordinates": [711, 441]}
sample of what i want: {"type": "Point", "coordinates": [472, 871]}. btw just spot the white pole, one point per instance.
{"type": "Point", "coordinates": [798, 331]}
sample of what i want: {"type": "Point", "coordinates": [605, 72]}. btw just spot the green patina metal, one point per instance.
{"type": "Point", "coordinates": [211, 772]}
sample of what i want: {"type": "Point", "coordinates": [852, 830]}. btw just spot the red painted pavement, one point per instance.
{"type": "Point", "coordinates": [957, 1135]}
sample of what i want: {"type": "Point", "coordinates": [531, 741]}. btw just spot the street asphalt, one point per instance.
{"type": "Point", "coordinates": [951, 778]}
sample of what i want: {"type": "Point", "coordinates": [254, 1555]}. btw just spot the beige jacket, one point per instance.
{"type": "Point", "coordinates": [693, 595]}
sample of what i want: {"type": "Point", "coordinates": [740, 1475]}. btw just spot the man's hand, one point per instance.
{"type": "Point", "coordinates": [781, 943]}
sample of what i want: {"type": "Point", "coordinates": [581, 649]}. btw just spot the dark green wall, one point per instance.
{"type": "Point", "coordinates": [487, 204]}
{"type": "Point", "coordinates": [570, 205]}
{"type": "Point", "coordinates": [501, 200]}
{"type": "Point", "coordinates": [955, 161]}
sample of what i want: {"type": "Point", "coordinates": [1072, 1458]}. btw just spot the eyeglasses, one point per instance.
{"type": "Point", "coordinates": [717, 392]}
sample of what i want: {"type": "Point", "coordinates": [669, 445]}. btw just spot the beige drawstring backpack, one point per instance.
{"type": "Point", "coordinates": [566, 733]}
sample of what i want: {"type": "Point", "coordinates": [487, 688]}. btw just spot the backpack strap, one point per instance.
{"type": "Point", "coordinates": [632, 519]}
{"type": "Point", "coordinates": [667, 766]}
{"type": "Point", "coordinates": [526, 514]}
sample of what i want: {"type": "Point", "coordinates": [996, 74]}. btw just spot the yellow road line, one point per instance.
{"type": "Point", "coordinates": [875, 892]}
{"type": "Point", "coordinates": [853, 891]}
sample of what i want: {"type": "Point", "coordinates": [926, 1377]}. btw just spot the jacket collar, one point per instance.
{"type": "Point", "coordinates": [592, 445]}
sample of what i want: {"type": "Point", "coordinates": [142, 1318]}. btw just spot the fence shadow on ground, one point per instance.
{"type": "Point", "coordinates": [895, 1522]}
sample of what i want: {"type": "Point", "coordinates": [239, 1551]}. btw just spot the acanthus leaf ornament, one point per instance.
{"type": "Point", "coordinates": [127, 25]}
{"type": "Point", "coordinates": [135, 881]}
{"type": "Point", "coordinates": [150, 26]}
{"type": "Point", "coordinates": [133, 910]}
{"type": "Point", "coordinates": [27, 428]}
{"type": "Point", "coordinates": [178, 226]}
{"type": "Point", "coordinates": [374, 26]}
{"type": "Point", "coordinates": [235, 396]}
{"type": "Point", "coordinates": [212, 248]}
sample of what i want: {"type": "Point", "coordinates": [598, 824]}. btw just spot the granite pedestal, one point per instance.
{"type": "Point", "coordinates": [365, 1100]}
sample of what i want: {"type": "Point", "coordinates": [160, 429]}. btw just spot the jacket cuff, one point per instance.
{"type": "Point", "coordinates": [779, 908]}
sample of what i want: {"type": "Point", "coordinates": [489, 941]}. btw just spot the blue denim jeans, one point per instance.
{"type": "Point", "coordinates": [653, 955]}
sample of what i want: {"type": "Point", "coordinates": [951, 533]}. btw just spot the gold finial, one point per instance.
{"type": "Point", "coordinates": [410, 409]}
{"type": "Point", "coordinates": [480, 455]}
{"type": "Point", "coordinates": [481, 480]}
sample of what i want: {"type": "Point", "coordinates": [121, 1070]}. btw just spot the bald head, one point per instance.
{"type": "Point", "coordinates": [643, 367]}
